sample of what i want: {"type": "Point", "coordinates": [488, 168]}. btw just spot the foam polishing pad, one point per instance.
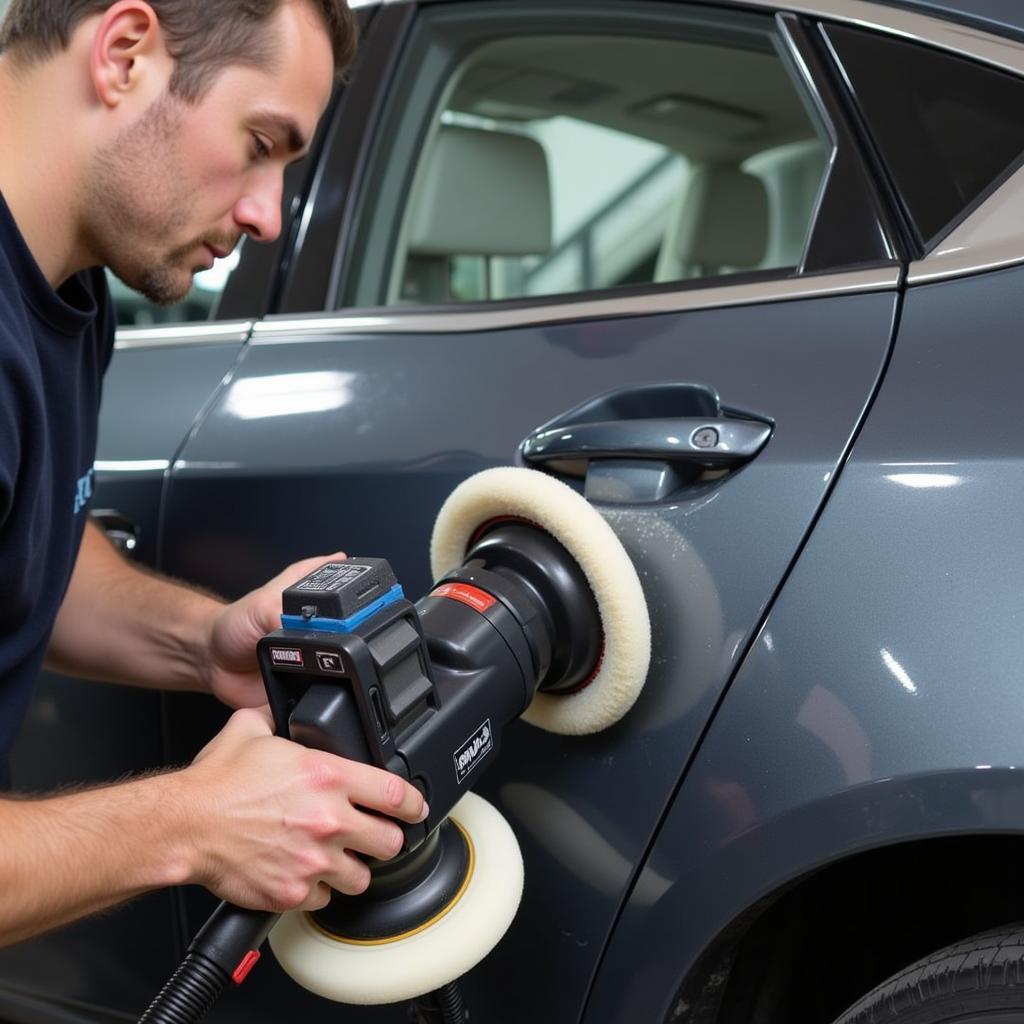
{"type": "Point", "coordinates": [515, 493]}
{"type": "Point", "coordinates": [406, 966]}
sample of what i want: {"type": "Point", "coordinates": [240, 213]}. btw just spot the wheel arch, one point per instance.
{"type": "Point", "coordinates": [821, 942]}
{"type": "Point", "coordinates": [726, 928]}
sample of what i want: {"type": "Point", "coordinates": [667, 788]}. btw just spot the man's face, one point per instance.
{"type": "Point", "coordinates": [185, 182]}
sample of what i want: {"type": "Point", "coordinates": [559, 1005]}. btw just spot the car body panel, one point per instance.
{"type": "Point", "coordinates": [153, 395]}
{"type": "Point", "coordinates": [891, 711]}
{"type": "Point", "coordinates": [364, 474]}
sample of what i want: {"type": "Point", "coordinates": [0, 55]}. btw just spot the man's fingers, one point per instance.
{"type": "Point", "coordinates": [351, 876]}
{"type": "Point", "coordinates": [318, 898]}
{"type": "Point", "coordinates": [349, 873]}
{"type": "Point", "coordinates": [376, 836]}
{"type": "Point", "coordinates": [379, 790]}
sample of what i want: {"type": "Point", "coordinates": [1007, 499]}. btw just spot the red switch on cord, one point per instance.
{"type": "Point", "coordinates": [246, 964]}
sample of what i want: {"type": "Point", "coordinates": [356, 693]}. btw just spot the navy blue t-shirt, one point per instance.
{"type": "Point", "coordinates": [54, 348]}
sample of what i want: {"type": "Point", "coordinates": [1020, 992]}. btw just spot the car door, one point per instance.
{"type": "Point", "coordinates": [554, 202]}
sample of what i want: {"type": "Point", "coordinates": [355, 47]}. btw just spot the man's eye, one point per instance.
{"type": "Point", "coordinates": [259, 148]}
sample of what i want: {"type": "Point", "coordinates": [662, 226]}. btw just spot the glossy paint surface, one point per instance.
{"type": "Point", "coordinates": [354, 442]}
{"type": "Point", "coordinates": [151, 395]}
{"type": "Point", "coordinates": [882, 700]}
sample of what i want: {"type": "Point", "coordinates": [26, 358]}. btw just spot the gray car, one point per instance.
{"type": "Point", "coordinates": [522, 214]}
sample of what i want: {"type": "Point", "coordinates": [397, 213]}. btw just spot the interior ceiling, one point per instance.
{"type": "Point", "coordinates": [706, 101]}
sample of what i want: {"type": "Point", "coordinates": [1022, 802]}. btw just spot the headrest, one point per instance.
{"type": "Point", "coordinates": [482, 193]}
{"type": "Point", "coordinates": [724, 220]}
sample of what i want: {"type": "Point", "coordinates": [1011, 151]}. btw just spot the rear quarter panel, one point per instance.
{"type": "Point", "coordinates": [882, 700]}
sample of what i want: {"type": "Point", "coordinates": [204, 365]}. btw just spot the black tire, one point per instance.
{"type": "Point", "coordinates": [977, 981]}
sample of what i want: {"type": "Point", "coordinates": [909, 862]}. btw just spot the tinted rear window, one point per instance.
{"type": "Point", "coordinates": [948, 129]}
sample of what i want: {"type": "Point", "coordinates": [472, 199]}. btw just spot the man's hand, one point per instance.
{"type": "Point", "coordinates": [231, 672]}
{"type": "Point", "coordinates": [123, 623]}
{"type": "Point", "coordinates": [261, 821]}
{"type": "Point", "coordinates": [274, 823]}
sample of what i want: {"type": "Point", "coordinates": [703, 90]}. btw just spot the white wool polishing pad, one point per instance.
{"type": "Point", "coordinates": [511, 492]}
{"type": "Point", "coordinates": [420, 962]}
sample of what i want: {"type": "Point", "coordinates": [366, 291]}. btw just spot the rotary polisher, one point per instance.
{"type": "Point", "coordinates": [537, 613]}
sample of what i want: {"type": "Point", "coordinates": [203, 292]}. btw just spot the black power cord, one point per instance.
{"type": "Point", "coordinates": [443, 1006]}
{"type": "Point", "coordinates": [223, 952]}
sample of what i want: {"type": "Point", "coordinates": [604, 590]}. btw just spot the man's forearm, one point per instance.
{"type": "Point", "coordinates": [122, 624]}
{"type": "Point", "coordinates": [260, 821]}
{"type": "Point", "coordinates": [67, 856]}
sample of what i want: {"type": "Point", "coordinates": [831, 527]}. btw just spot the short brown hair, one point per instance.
{"type": "Point", "coordinates": [203, 36]}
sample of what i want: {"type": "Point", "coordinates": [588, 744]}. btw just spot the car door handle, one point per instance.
{"type": "Point", "coordinates": [708, 442]}
{"type": "Point", "coordinates": [120, 530]}
{"type": "Point", "coordinates": [646, 442]}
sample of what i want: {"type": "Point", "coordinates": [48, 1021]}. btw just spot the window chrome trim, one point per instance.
{"type": "Point", "coordinates": [990, 238]}
{"type": "Point", "coordinates": [982, 242]}
{"type": "Point", "coordinates": [276, 330]}
{"type": "Point", "coordinates": [985, 240]}
{"type": "Point", "coordinates": [174, 335]}
{"type": "Point", "coordinates": [131, 465]}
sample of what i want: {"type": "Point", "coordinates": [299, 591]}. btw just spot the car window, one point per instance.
{"type": "Point", "coordinates": [576, 161]}
{"type": "Point", "coordinates": [948, 129]}
{"type": "Point", "coordinates": [134, 310]}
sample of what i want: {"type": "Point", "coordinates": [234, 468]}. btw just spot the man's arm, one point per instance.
{"type": "Point", "coordinates": [258, 820]}
{"type": "Point", "coordinates": [125, 624]}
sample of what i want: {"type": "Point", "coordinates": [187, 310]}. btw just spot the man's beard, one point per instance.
{"type": "Point", "coordinates": [136, 201]}
{"type": "Point", "coordinates": [158, 280]}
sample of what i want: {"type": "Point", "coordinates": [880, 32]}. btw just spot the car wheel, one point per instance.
{"type": "Point", "coordinates": [979, 980]}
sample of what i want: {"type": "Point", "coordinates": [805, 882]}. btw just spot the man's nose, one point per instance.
{"type": "Point", "coordinates": [258, 212]}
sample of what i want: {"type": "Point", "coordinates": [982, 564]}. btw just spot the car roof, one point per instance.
{"type": "Point", "coordinates": [1005, 17]}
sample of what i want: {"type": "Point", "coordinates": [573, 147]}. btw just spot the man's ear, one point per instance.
{"type": "Point", "coordinates": [127, 45]}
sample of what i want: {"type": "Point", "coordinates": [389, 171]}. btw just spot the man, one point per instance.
{"type": "Point", "coordinates": [149, 137]}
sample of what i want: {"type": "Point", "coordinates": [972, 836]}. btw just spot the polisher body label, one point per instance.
{"type": "Point", "coordinates": [477, 599]}
{"type": "Point", "coordinates": [473, 751]}
{"type": "Point", "coordinates": [332, 576]}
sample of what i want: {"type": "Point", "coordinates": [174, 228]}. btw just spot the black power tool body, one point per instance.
{"type": "Point", "coordinates": [422, 690]}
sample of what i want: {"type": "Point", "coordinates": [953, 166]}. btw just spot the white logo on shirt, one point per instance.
{"type": "Point", "coordinates": [83, 491]}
